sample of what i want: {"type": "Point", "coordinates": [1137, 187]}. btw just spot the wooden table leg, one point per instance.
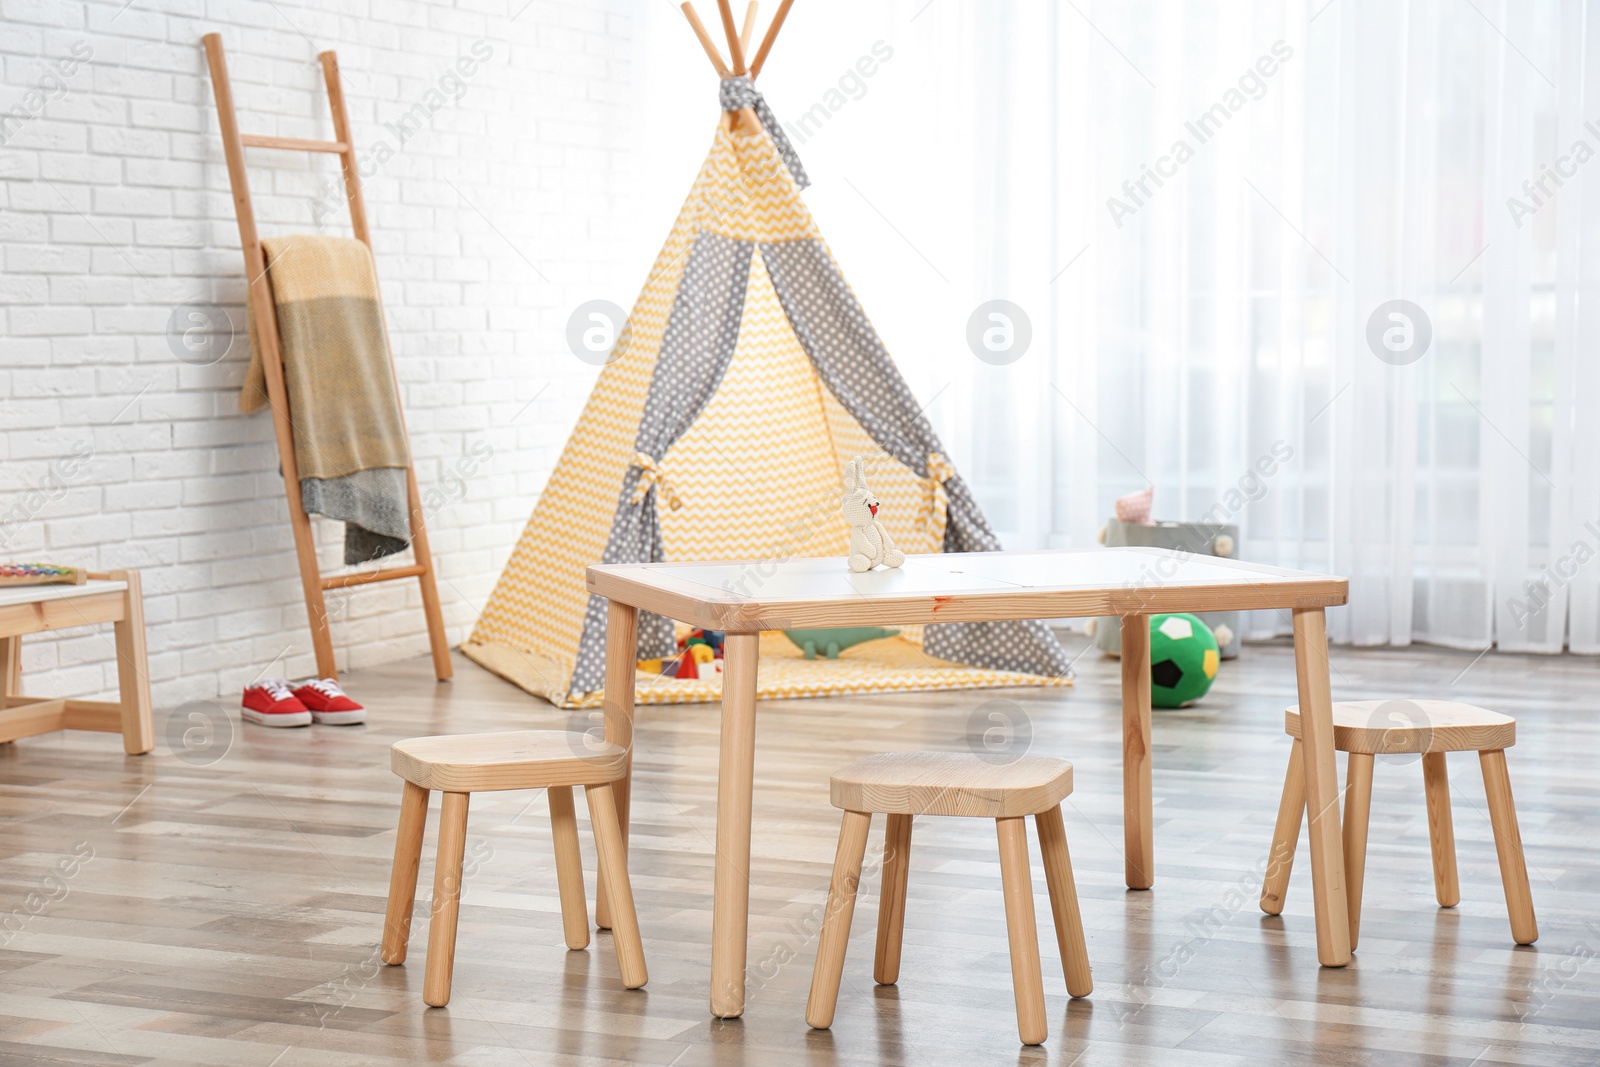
{"type": "Point", "coordinates": [10, 669]}
{"type": "Point", "coordinates": [1138, 840]}
{"type": "Point", "coordinates": [622, 656]}
{"type": "Point", "coordinates": [133, 671]}
{"type": "Point", "coordinates": [10, 666]}
{"type": "Point", "coordinates": [730, 910]}
{"type": "Point", "coordinates": [1322, 787]}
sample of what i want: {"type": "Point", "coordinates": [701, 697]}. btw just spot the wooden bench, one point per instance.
{"type": "Point", "coordinates": [32, 609]}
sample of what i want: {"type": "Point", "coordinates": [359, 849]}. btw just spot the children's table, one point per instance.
{"type": "Point", "coordinates": [745, 597]}
{"type": "Point", "coordinates": [31, 609]}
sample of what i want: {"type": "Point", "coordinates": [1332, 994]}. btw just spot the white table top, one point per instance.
{"type": "Point", "coordinates": [959, 587]}
{"type": "Point", "coordinates": [33, 594]}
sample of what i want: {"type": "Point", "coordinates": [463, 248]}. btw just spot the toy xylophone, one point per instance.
{"type": "Point", "coordinates": [41, 574]}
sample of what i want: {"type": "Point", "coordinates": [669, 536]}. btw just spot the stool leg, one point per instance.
{"type": "Point", "coordinates": [403, 876]}
{"type": "Point", "coordinates": [569, 867]}
{"type": "Point", "coordinates": [446, 900]}
{"type": "Point", "coordinates": [1357, 814]}
{"type": "Point", "coordinates": [1508, 844]}
{"type": "Point", "coordinates": [836, 916]}
{"type": "Point", "coordinates": [619, 892]}
{"type": "Point", "coordinates": [1286, 835]}
{"type": "Point", "coordinates": [1436, 783]}
{"type": "Point", "coordinates": [1064, 901]}
{"type": "Point", "coordinates": [1026, 980]}
{"type": "Point", "coordinates": [892, 899]}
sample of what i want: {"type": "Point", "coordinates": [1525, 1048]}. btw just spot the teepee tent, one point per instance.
{"type": "Point", "coordinates": [745, 379]}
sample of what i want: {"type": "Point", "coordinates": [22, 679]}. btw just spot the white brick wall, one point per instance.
{"type": "Point", "coordinates": [491, 222]}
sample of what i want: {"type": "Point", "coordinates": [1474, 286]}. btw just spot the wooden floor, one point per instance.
{"type": "Point", "coordinates": [224, 907]}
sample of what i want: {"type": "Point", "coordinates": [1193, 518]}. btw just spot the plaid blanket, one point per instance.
{"type": "Point", "coordinates": [349, 441]}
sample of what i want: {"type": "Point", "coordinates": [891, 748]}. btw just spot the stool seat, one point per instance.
{"type": "Point", "coordinates": [964, 784]}
{"type": "Point", "coordinates": [515, 759]}
{"type": "Point", "coordinates": [1380, 727]}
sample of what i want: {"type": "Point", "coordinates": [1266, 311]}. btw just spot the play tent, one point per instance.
{"type": "Point", "coordinates": [745, 379]}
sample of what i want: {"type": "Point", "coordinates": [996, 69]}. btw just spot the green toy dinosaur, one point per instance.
{"type": "Point", "coordinates": [831, 642]}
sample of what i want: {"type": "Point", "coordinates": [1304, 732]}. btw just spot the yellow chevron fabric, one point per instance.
{"type": "Point", "coordinates": [756, 472]}
{"type": "Point", "coordinates": [754, 197]}
{"type": "Point", "coordinates": [759, 474]}
{"type": "Point", "coordinates": [894, 665]}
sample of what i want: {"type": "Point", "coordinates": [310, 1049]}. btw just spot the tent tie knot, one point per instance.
{"type": "Point", "coordinates": [652, 476]}
{"type": "Point", "coordinates": [739, 92]}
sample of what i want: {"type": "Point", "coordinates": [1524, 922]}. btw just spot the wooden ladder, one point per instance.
{"type": "Point", "coordinates": [262, 310]}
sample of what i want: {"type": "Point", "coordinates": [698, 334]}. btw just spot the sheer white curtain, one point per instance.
{"type": "Point", "coordinates": [1200, 208]}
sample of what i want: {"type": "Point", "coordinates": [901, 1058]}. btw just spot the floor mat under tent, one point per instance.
{"type": "Point", "coordinates": [892, 665]}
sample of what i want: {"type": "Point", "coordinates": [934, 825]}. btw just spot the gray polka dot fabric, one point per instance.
{"type": "Point", "coordinates": [739, 92]}
{"type": "Point", "coordinates": [852, 361]}
{"type": "Point", "coordinates": [702, 330]}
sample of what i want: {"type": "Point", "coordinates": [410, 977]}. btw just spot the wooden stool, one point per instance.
{"type": "Point", "coordinates": [906, 784]}
{"type": "Point", "coordinates": [1429, 728]}
{"type": "Point", "coordinates": [464, 764]}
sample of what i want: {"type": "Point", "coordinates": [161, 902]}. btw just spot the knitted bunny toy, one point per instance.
{"type": "Point", "coordinates": [869, 541]}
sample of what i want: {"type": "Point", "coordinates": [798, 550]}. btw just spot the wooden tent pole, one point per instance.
{"type": "Point", "coordinates": [749, 29]}
{"type": "Point", "coordinates": [266, 320]}
{"type": "Point", "coordinates": [705, 39]}
{"type": "Point", "coordinates": [725, 9]}
{"type": "Point", "coordinates": [772, 35]}
{"type": "Point", "coordinates": [438, 641]}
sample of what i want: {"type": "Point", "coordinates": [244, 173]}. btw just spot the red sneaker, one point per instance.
{"type": "Point", "coordinates": [270, 702]}
{"type": "Point", "coordinates": [328, 703]}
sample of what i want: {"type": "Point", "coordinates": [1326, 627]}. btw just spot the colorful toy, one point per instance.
{"type": "Point", "coordinates": [699, 656]}
{"type": "Point", "coordinates": [869, 541]}
{"type": "Point", "coordinates": [1183, 660]}
{"type": "Point", "coordinates": [831, 642]}
{"type": "Point", "coordinates": [40, 574]}
{"type": "Point", "coordinates": [712, 639]}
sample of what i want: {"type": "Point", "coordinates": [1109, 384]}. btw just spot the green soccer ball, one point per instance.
{"type": "Point", "coordinates": [1183, 660]}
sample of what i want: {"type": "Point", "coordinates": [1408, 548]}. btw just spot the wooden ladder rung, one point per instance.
{"type": "Point", "coordinates": [294, 144]}
{"type": "Point", "coordinates": [341, 581]}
